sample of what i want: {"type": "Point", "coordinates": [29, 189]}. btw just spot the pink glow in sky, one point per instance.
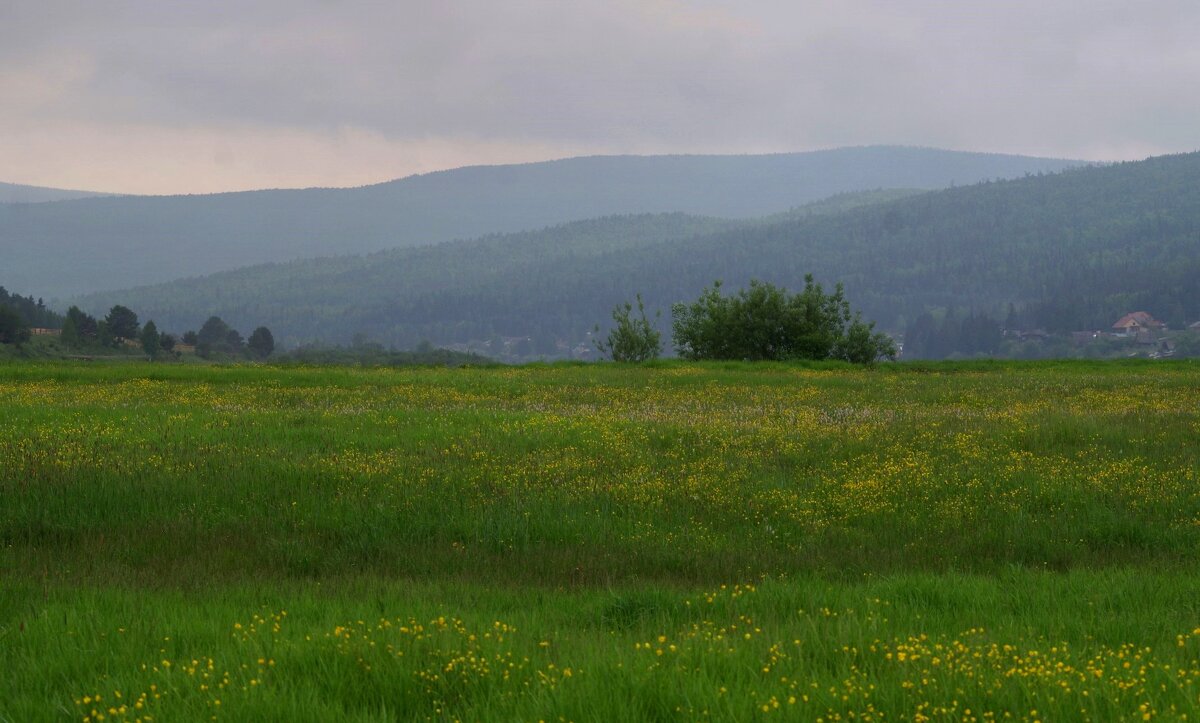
{"type": "Point", "coordinates": [149, 97]}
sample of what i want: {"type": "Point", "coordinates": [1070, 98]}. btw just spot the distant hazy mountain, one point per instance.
{"type": "Point", "coordinates": [309, 299]}
{"type": "Point", "coordinates": [1071, 251]}
{"type": "Point", "coordinates": [15, 193]}
{"type": "Point", "coordinates": [94, 244]}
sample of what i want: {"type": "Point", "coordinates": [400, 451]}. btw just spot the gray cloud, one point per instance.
{"type": "Point", "coordinates": [1097, 79]}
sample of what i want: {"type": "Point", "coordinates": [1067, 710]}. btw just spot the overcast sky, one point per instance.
{"type": "Point", "coordinates": [166, 96]}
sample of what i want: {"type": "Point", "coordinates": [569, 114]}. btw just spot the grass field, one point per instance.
{"type": "Point", "coordinates": [983, 541]}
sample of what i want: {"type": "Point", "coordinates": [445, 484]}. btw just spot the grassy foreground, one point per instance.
{"type": "Point", "coordinates": [972, 542]}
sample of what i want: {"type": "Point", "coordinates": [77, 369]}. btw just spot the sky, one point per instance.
{"type": "Point", "coordinates": [154, 96]}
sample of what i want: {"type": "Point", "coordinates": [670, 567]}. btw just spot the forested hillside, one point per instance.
{"type": "Point", "coordinates": [109, 243]}
{"type": "Point", "coordinates": [1069, 251]}
{"type": "Point", "coordinates": [317, 295]}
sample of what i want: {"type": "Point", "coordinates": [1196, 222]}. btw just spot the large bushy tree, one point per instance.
{"type": "Point", "coordinates": [217, 336]}
{"type": "Point", "coordinates": [122, 322]}
{"type": "Point", "coordinates": [80, 328]}
{"type": "Point", "coordinates": [261, 343]}
{"type": "Point", "coordinates": [213, 336]}
{"type": "Point", "coordinates": [765, 322]}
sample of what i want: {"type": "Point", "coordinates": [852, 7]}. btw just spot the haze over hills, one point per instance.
{"type": "Point", "coordinates": [17, 193]}
{"type": "Point", "coordinates": [88, 245]}
{"type": "Point", "coordinates": [404, 275]}
{"type": "Point", "coordinates": [1071, 250]}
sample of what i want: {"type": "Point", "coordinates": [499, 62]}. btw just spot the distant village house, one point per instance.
{"type": "Point", "coordinates": [1135, 324]}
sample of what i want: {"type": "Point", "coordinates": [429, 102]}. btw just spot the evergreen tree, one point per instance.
{"type": "Point", "coordinates": [234, 344]}
{"type": "Point", "coordinates": [104, 335]}
{"type": "Point", "coordinates": [261, 342]}
{"type": "Point", "coordinates": [33, 312]}
{"type": "Point", "coordinates": [70, 333]}
{"type": "Point", "coordinates": [122, 322]}
{"type": "Point", "coordinates": [13, 329]}
{"type": "Point", "coordinates": [79, 329]}
{"type": "Point", "coordinates": [213, 336]}
{"type": "Point", "coordinates": [151, 343]}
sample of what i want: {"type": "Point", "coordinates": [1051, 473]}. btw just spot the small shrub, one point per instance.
{"type": "Point", "coordinates": [631, 339]}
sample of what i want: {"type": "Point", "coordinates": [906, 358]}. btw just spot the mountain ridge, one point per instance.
{"type": "Point", "coordinates": [93, 244]}
{"type": "Point", "coordinates": [1071, 249]}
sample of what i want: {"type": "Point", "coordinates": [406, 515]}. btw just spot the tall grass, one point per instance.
{"type": "Point", "coordinates": [1038, 524]}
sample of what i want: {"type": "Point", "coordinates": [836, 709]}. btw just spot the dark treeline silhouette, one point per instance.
{"type": "Point", "coordinates": [32, 311]}
{"type": "Point", "coordinates": [120, 329]}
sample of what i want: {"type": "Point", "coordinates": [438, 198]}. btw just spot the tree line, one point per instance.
{"type": "Point", "coordinates": [18, 314]}
{"type": "Point", "coordinates": [120, 327]}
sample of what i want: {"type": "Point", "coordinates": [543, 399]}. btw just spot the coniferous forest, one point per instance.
{"type": "Point", "coordinates": [33, 312]}
{"type": "Point", "coordinates": [1062, 252]}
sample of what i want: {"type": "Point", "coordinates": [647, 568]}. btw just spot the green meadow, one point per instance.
{"type": "Point", "coordinates": [960, 542]}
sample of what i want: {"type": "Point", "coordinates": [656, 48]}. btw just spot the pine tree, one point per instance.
{"type": "Point", "coordinates": [151, 343]}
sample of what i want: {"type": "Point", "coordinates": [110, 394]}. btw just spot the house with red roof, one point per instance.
{"type": "Point", "coordinates": [1134, 322]}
